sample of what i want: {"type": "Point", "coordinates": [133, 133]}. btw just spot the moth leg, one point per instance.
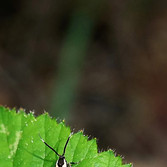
{"type": "Point", "coordinates": [71, 163]}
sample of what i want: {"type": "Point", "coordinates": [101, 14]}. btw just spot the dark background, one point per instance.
{"type": "Point", "coordinates": [101, 65]}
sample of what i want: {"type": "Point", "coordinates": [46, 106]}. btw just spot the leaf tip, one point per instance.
{"type": "Point", "coordinates": [81, 131]}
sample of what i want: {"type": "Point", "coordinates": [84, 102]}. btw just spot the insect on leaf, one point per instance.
{"type": "Point", "coordinates": [20, 144]}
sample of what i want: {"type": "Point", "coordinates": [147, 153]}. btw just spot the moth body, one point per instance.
{"type": "Point", "coordinates": [61, 162]}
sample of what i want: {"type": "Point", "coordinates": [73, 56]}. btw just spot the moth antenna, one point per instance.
{"type": "Point", "coordinates": [48, 145]}
{"type": "Point", "coordinates": [67, 143]}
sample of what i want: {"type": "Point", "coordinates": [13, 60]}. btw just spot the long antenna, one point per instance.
{"type": "Point", "coordinates": [49, 146]}
{"type": "Point", "coordinates": [66, 144]}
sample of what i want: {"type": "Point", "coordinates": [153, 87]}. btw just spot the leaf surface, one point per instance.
{"type": "Point", "coordinates": [20, 144]}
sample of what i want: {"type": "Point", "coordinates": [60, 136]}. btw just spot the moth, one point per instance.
{"type": "Point", "coordinates": [61, 162]}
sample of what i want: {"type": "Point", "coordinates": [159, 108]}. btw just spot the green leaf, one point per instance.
{"type": "Point", "coordinates": [20, 144]}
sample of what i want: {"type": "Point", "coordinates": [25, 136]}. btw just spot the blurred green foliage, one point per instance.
{"type": "Point", "coordinates": [71, 60]}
